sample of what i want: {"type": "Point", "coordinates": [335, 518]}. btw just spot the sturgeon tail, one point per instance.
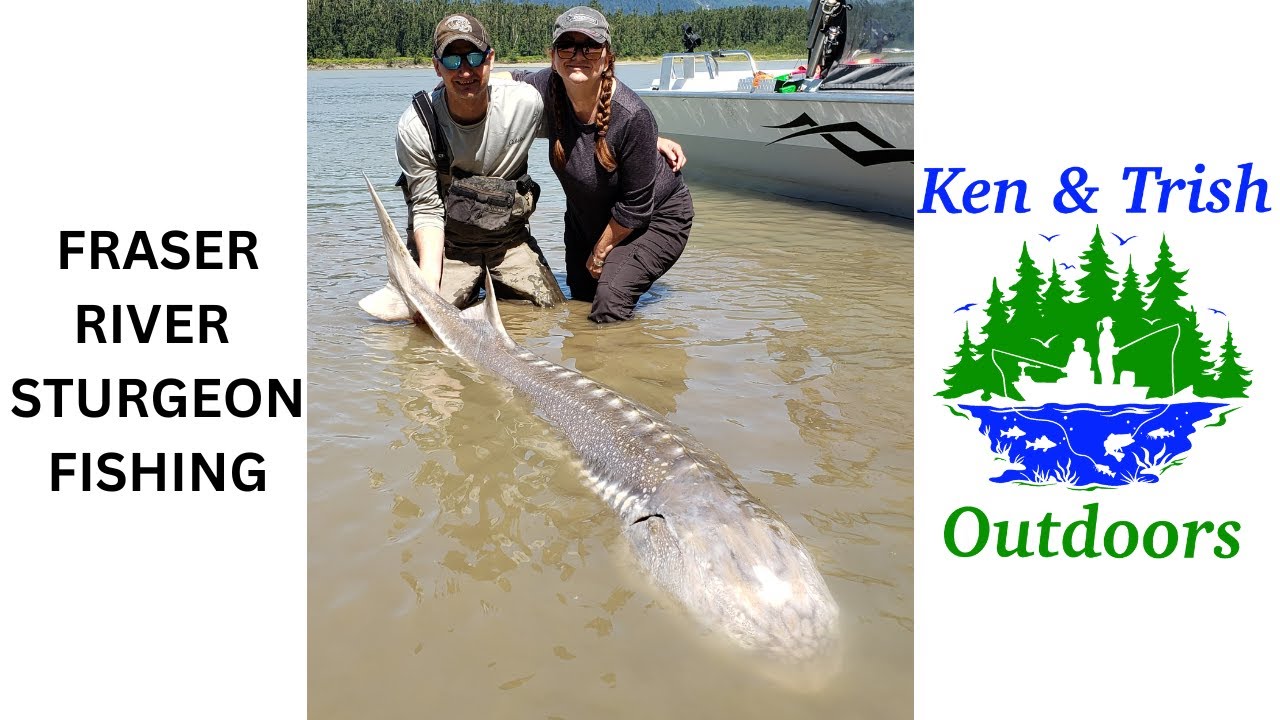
{"type": "Point", "coordinates": [407, 292]}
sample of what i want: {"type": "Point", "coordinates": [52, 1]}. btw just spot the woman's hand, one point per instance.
{"type": "Point", "coordinates": [595, 263]}
{"type": "Point", "coordinates": [674, 154]}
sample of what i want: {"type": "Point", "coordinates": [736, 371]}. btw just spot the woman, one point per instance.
{"type": "Point", "coordinates": [1106, 352]}
{"type": "Point", "coordinates": [629, 214]}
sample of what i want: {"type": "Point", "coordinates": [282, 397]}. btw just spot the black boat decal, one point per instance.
{"type": "Point", "coordinates": [886, 153]}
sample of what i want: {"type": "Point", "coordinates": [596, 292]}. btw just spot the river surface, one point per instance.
{"type": "Point", "coordinates": [456, 566]}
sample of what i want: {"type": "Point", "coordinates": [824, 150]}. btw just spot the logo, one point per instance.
{"type": "Point", "coordinates": [457, 23]}
{"type": "Point", "coordinates": [1088, 373]}
{"type": "Point", "coordinates": [583, 19]}
{"type": "Point", "coordinates": [885, 152]}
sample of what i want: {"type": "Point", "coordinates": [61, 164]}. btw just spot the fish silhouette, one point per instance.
{"type": "Point", "coordinates": [1041, 443]}
{"type": "Point", "coordinates": [1114, 442]}
{"type": "Point", "coordinates": [1015, 432]}
{"type": "Point", "coordinates": [1160, 433]}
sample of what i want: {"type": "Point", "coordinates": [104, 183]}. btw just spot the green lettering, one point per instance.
{"type": "Point", "coordinates": [1194, 529]}
{"type": "Point", "coordinates": [1149, 539]}
{"type": "Point", "coordinates": [1090, 526]}
{"type": "Point", "coordinates": [1002, 539]}
{"type": "Point", "coordinates": [1108, 540]}
{"type": "Point", "coordinates": [1046, 526]}
{"type": "Point", "coordinates": [1224, 534]}
{"type": "Point", "coordinates": [949, 532]}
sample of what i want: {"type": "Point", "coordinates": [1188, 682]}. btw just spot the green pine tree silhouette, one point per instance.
{"type": "Point", "coordinates": [996, 336]}
{"type": "Point", "coordinates": [1097, 292]}
{"type": "Point", "coordinates": [1127, 314]}
{"type": "Point", "coordinates": [1190, 350]}
{"type": "Point", "coordinates": [1057, 314]}
{"type": "Point", "coordinates": [1025, 300]}
{"type": "Point", "coordinates": [1232, 379]}
{"type": "Point", "coordinates": [966, 374]}
{"type": "Point", "coordinates": [1197, 356]}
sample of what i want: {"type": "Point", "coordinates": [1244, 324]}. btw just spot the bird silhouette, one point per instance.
{"type": "Point", "coordinates": [1066, 266]}
{"type": "Point", "coordinates": [1048, 238]}
{"type": "Point", "coordinates": [1124, 240]}
{"type": "Point", "coordinates": [1216, 311]}
{"type": "Point", "coordinates": [1045, 343]}
{"type": "Point", "coordinates": [1151, 321]}
{"type": "Point", "coordinates": [963, 307]}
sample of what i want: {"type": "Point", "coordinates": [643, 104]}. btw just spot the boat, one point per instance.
{"type": "Point", "coordinates": [1073, 391]}
{"type": "Point", "coordinates": [840, 132]}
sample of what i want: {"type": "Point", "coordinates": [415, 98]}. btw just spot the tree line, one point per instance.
{"type": "Point", "coordinates": [390, 29]}
{"type": "Point", "coordinates": [1157, 336]}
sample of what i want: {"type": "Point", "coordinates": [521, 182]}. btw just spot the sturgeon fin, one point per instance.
{"type": "Point", "coordinates": [387, 304]}
{"type": "Point", "coordinates": [391, 303]}
{"type": "Point", "coordinates": [488, 311]}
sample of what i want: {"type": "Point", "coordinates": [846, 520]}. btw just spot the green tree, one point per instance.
{"type": "Point", "coordinates": [1097, 292]}
{"type": "Point", "coordinates": [1025, 301]}
{"type": "Point", "coordinates": [995, 378]}
{"type": "Point", "coordinates": [1179, 358]}
{"type": "Point", "coordinates": [966, 375]}
{"type": "Point", "coordinates": [1164, 287]}
{"type": "Point", "coordinates": [1127, 314]}
{"type": "Point", "coordinates": [1231, 378]}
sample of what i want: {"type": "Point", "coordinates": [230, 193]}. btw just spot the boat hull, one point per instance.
{"type": "Point", "coordinates": [849, 148]}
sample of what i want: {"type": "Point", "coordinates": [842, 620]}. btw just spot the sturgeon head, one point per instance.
{"type": "Point", "coordinates": [737, 568]}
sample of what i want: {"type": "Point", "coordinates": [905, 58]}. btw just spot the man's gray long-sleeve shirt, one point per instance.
{"type": "Point", "coordinates": [497, 146]}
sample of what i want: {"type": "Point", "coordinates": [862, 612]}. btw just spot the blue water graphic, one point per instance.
{"type": "Point", "coordinates": [1090, 445]}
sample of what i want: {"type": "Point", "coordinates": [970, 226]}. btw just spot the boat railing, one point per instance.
{"type": "Point", "coordinates": [688, 77]}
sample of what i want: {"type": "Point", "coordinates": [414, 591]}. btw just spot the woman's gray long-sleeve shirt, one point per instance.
{"type": "Point", "coordinates": [642, 181]}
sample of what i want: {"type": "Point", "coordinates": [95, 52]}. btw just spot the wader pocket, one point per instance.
{"type": "Point", "coordinates": [490, 203]}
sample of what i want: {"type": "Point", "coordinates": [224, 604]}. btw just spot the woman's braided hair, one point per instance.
{"type": "Point", "coordinates": [603, 110]}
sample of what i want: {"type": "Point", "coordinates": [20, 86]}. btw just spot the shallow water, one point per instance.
{"type": "Point", "coordinates": [457, 568]}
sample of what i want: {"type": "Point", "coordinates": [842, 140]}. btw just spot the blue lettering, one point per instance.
{"type": "Point", "coordinates": [936, 189]}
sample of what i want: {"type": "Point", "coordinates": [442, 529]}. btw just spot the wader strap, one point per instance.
{"type": "Point", "coordinates": [427, 114]}
{"type": "Point", "coordinates": [439, 149]}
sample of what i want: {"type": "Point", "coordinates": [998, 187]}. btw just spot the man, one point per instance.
{"type": "Point", "coordinates": [488, 130]}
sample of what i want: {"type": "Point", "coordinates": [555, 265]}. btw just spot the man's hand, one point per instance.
{"type": "Point", "coordinates": [672, 151]}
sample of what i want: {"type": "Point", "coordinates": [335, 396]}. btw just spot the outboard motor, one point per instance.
{"type": "Point", "coordinates": [691, 39]}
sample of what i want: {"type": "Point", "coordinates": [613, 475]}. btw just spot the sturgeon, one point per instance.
{"type": "Point", "coordinates": [729, 561]}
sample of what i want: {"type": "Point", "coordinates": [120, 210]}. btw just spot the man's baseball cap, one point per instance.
{"type": "Point", "coordinates": [585, 20]}
{"type": "Point", "coordinates": [461, 26]}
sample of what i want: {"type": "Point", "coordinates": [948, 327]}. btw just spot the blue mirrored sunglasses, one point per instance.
{"type": "Point", "coordinates": [453, 62]}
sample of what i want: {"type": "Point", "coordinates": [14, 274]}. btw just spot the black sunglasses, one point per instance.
{"type": "Point", "coordinates": [475, 59]}
{"type": "Point", "coordinates": [566, 49]}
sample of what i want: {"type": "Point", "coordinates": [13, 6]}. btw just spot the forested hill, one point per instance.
{"type": "Point", "coordinates": [521, 30]}
{"type": "Point", "coordinates": [651, 6]}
